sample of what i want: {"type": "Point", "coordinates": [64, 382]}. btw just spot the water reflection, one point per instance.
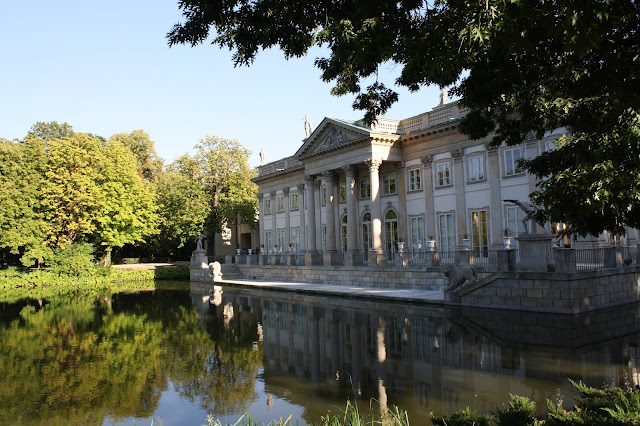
{"type": "Point", "coordinates": [116, 358]}
{"type": "Point", "coordinates": [320, 351]}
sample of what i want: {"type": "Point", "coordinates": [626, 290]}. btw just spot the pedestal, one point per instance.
{"type": "Point", "coordinates": [535, 252]}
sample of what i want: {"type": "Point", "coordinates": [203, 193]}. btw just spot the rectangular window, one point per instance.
{"type": "Point", "coordinates": [389, 184]}
{"type": "Point", "coordinates": [280, 239]}
{"type": "Point", "coordinates": [549, 146]}
{"type": "Point", "coordinates": [267, 206]}
{"type": "Point", "coordinates": [511, 157]}
{"type": "Point", "coordinates": [365, 189]}
{"type": "Point", "coordinates": [343, 192]}
{"type": "Point", "coordinates": [479, 232]}
{"type": "Point", "coordinates": [417, 233]}
{"type": "Point", "coordinates": [475, 168]}
{"type": "Point", "coordinates": [514, 221]}
{"type": "Point", "coordinates": [267, 242]}
{"type": "Point", "coordinates": [415, 180]}
{"type": "Point", "coordinates": [280, 203]}
{"type": "Point", "coordinates": [293, 201]}
{"type": "Point", "coordinates": [366, 233]}
{"type": "Point", "coordinates": [324, 196]}
{"type": "Point", "coordinates": [447, 236]}
{"type": "Point", "coordinates": [443, 172]}
{"type": "Point", "coordinates": [295, 238]}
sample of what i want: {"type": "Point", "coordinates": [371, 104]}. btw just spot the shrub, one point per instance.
{"type": "Point", "coordinates": [74, 260]}
{"type": "Point", "coordinates": [464, 417]}
{"type": "Point", "coordinates": [518, 411]}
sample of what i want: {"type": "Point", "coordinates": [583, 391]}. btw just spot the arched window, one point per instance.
{"type": "Point", "coordinates": [391, 230]}
{"type": "Point", "coordinates": [343, 233]}
{"type": "Point", "coordinates": [366, 232]}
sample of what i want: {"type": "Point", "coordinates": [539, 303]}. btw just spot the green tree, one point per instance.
{"type": "Point", "coordinates": [22, 223]}
{"type": "Point", "coordinates": [149, 164]}
{"type": "Point", "coordinates": [127, 212]}
{"type": "Point", "coordinates": [226, 174]}
{"type": "Point", "coordinates": [183, 205]}
{"type": "Point", "coordinates": [522, 67]}
{"type": "Point", "coordinates": [51, 130]}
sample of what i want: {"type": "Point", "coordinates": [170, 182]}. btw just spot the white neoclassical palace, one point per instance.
{"type": "Point", "coordinates": [353, 191]}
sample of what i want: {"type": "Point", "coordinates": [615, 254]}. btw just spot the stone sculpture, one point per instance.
{"type": "Point", "coordinates": [216, 271]}
{"type": "Point", "coordinates": [199, 241]}
{"type": "Point", "coordinates": [459, 276]}
{"type": "Point", "coordinates": [307, 126]}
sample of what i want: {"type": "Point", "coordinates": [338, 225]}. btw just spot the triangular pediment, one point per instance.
{"type": "Point", "coordinates": [330, 135]}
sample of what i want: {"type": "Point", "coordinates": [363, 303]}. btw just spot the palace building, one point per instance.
{"type": "Point", "coordinates": [353, 191]}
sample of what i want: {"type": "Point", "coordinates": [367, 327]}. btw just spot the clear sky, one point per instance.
{"type": "Point", "coordinates": [105, 67]}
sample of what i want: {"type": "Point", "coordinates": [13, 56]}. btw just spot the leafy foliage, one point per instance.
{"type": "Point", "coordinates": [74, 260]}
{"type": "Point", "coordinates": [612, 406]}
{"type": "Point", "coordinates": [522, 68]}
{"type": "Point", "coordinates": [518, 411]}
{"type": "Point", "coordinates": [148, 163]}
{"type": "Point", "coordinates": [464, 417]}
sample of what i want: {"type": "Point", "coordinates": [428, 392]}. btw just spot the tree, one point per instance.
{"type": "Point", "coordinates": [51, 130]}
{"type": "Point", "coordinates": [522, 67]}
{"type": "Point", "coordinates": [226, 174]}
{"type": "Point", "coordinates": [139, 142]}
{"type": "Point", "coordinates": [127, 213]}
{"type": "Point", "coordinates": [183, 205]}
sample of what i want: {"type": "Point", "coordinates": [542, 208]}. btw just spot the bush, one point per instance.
{"type": "Point", "coordinates": [518, 411]}
{"type": "Point", "coordinates": [464, 417]}
{"type": "Point", "coordinates": [74, 260]}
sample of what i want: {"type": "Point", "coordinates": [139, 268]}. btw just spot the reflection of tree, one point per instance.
{"type": "Point", "coordinates": [81, 363]}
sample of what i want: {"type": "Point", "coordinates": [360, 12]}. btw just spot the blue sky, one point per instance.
{"type": "Point", "coordinates": [105, 67]}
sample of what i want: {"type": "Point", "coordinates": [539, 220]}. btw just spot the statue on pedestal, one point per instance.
{"type": "Point", "coordinates": [199, 241]}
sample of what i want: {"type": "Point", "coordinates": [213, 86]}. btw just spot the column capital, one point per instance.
{"type": "Point", "coordinates": [285, 191]}
{"type": "Point", "coordinates": [374, 165]}
{"type": "Point", "coordinates": [350, 171]}
{"type": "Point", "coordinates": [491, 149]}
{"type": "Point", "coordinates": [309, 179]}
{"type": "Point", "coordinates": [427, 160]}
{"type": "Point", "coordinates": [260, 197]}
{"type": "Point", "coordinates": [272, 193]}
{"type": "Point", "coordinates": [457, 154]}
{"type": "Point", "coordinates": [317, 184]}
{"type": "Point", "coordinates": [400, 166]}
{"type": "Point", "coordinates": [329, 176]}
{"type": "Point", "coordinates": [300, 187]}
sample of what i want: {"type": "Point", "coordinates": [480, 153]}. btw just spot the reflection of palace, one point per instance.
{"type": "Point", "coordinates": [431, 359]}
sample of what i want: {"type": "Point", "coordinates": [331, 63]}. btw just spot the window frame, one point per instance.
{"type": "Point", "coordinates": [280, 204]}
{"type": "Point", "coordinates": [482, 176]}
{"type": "Point", "coordinates": [267, 206]}
{"type": "Point", "coordinates": [292, 205]}
{"type": "Point", "coordinates": [447, 166]}
{"type": "Point", "coordinates": [515, 170]}
{"type": "Point", "coordinates": [389, 181]}
{"type": "Point", "coordinates": [415, 179]}
{"type": "Point", "coordinates": [365, 189]}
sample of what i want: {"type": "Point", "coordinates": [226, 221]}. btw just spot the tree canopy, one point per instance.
{"type": "Point", "coordinates": [521, 67]}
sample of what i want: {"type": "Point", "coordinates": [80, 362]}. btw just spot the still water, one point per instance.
{"type": "Point", "coordinates": [175, 356]}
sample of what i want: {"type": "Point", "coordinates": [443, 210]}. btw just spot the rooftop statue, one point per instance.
{"type": "Point", "coordinates": [307, 125]}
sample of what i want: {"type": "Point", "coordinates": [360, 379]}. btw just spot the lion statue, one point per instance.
{"type": "Point", "coordinates": [459, 276]}
{"type": "Point", "coordinates": [215, 270]}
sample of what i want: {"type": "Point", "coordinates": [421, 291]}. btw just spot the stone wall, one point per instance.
{"type": "Point", "coordinates": [349, 275]}
{"type": "Point", "coordinates": [552, 292]}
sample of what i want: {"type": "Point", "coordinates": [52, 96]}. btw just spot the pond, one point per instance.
{"type": "Point", "coordinates": [176, 356]}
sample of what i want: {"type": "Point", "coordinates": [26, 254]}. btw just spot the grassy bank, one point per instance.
{"type": "Point", "coordinates": [17, 283]}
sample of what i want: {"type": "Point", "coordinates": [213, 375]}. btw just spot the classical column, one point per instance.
{"type": "Point", "coordinates": [303, 213]}
{"type": "Point", "coordinates": [274, 228]}
{"type": "Point", "coordinates": [329, 179]}
{"type": "Point", "coordinates": [458, 180]}
{"type": "Point", "coordinates": [430, 219]}
{"type": "Point", "coordinates": [261, 221]}
{"type": "Point", "coordinates": [493, 175]}
{"type": "Point", "coordinates": [402, 202]}
{"type": "Point", "coordinates": [317, 186]}
{"type": "Point", "coordinates": [310, 220]}
{"type": "Point", "coordinates": [376, 210]}
{"type": "Point", "coordinates": [531, 151]}
{"type": "Point", "coordinates": [352, 220]}
{"type": "Point", "coordinates": [287, 220]}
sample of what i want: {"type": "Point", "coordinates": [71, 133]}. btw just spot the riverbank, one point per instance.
{"type": "Point", "coordinates": [17, 283]}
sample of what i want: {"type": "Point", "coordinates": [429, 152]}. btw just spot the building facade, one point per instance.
{"type": "Point", "coordinates": [352, 191]}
